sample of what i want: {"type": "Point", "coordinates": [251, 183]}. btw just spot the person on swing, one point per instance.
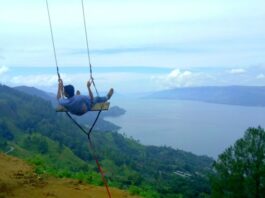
{"type": "Point", "coordinates": [78, 104]}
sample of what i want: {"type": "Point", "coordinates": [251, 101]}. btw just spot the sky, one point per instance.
{"type": "Point", "coordinates": [135, 45]}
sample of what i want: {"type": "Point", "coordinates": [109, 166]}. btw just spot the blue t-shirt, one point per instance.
{"type": "Point", "coordinates": [75, 104]}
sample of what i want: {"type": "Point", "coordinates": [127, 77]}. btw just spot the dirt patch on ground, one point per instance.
{"type": "Point", "coordinates": [17, 179]}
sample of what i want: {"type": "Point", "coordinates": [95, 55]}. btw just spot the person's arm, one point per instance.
{"type": "Point", "coordinates": [60, 89]}
{"type": "Point", "coordinates": [89, 91]}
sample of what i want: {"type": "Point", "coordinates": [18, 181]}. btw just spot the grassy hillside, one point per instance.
{"type": "Point", "coordinates": [55, 146]}
{"type": "Point", "coordinates": [17, 179]}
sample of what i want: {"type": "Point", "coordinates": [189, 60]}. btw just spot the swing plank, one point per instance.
{"type": "Point", "coordinates": [104, 106]}
{"type": "Point", "coordinates": [60, 108]}
{"type": "Point", "coordinates": [100, 106]}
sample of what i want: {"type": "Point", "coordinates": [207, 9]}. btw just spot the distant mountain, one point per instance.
{"type": "Point", "coordinates": [31, 129]}
{"type": "Point", "coordinates": [114, 111]}
{"type": "Point", "coordinates": [231, 95]}
{"type": "Point", "coordinates": [34, 91]}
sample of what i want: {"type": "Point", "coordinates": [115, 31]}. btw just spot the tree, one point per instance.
{"type": "Point", "coordinates": [240, 170]}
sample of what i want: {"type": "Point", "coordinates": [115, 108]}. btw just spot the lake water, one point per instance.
{"type": "Point", "coordinates": [201, 128]}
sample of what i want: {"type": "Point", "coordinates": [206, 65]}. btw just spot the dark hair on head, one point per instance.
{"type": "Point", "coordinates": [69, 90]}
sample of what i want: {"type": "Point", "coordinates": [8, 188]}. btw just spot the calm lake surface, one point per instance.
{"type": "Point", "coordinates": [201, 128]}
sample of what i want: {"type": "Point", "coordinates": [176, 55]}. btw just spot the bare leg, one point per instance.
{"type": "Point", "coordinates": [110, 93]}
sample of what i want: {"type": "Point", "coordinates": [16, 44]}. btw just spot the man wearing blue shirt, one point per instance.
{"type": "Point", "coordinates": [78, 104]}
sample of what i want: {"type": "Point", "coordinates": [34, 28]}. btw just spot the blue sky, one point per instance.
{"type": "Point", "coordinates": [135, 45]}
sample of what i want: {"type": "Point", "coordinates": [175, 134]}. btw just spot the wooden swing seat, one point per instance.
{"type": "Point", "coordinates": [104, 106]}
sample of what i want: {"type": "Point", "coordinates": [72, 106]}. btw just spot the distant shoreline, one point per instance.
{"type": "Point", "coordinates": [253, 96]}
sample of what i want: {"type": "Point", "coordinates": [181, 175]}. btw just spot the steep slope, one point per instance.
{"type": "Point", "coordinates": [56, 146]}
{"type": "Point", "coordinates": [36, 92]}
{"type": "Point", "coordinates": [17, 179]}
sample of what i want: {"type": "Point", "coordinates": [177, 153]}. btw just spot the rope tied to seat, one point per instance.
{"type": "Point", "coordinates": [92, 148]}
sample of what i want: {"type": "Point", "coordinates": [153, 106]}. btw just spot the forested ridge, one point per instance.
{"type": "Point", "coordinates": [55, 146]}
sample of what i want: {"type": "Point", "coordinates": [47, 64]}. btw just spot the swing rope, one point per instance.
{"type": "Point", "coordinates": [92, 148]}
{"type": "Point", "coordinates": [87, 47]}
{"type": "Point", "coordinates": [52, 38]}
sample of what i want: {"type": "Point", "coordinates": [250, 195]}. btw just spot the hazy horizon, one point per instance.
{"type": "Point", "coordinates": [130, 80]}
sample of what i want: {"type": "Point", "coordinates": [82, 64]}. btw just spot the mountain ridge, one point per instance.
{"type": "Point", "coordinates": [231, 95]}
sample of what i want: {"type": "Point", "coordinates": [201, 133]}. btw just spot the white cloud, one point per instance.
{"type": "Point", "coordinates": [132, 81]}
{"type": "Point", "coordinates": [122, 82]}
{"type": "Point", "coordinates": [260, 76]}
{"type": "Point", "coordinates": [42, 80]}
{"type": "Point", "coordinates": [3, 69]}
{"type": "Point", "coordinates": [237, 71]}
{"type": "Point", "coordinates": [178, 78]}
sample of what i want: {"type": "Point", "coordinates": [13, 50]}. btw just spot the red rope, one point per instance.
{"type": "Point", "coordinates": [92, 148]}
{"type": "Point", "coordinates": [59, 77]}
{"type": "Point", "coordinates": [99, 167]}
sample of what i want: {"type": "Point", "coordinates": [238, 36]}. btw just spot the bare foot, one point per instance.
{"type": "Point", "coordinates": [111, 91]}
